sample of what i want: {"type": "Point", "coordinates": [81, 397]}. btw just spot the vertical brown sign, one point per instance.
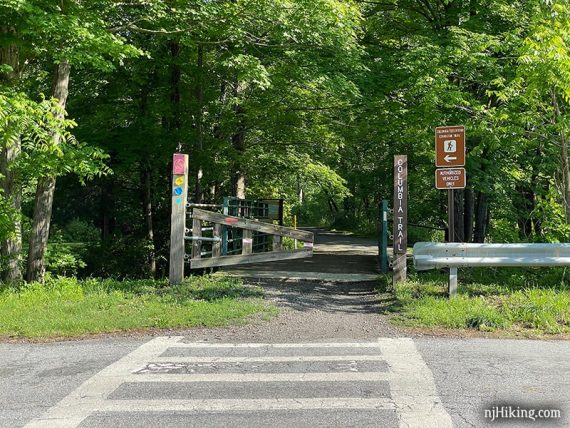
{"type": "Point", "coordinates": [400, 204]}
{"type": "Point", "coordinates": [400, 241]}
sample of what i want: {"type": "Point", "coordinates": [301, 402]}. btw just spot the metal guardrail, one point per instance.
{"type": "Point", "coordinates": [452, 255]}
{"type": "Point", "coordinates": [433, 255]}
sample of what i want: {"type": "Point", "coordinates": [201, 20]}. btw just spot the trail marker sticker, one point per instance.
{"type": "Point", "coordinates": [179, 164]}
{"type": "Point", "coordinates": [449, 146]}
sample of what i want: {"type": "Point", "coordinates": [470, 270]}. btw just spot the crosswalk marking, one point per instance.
{"type": "Point", "coordinates": [89, 396]}
{"type": "Point", "coordinates": [279, 345]}
{"type": "Point", "coordinates": [412, 386]}
{"type": "Point", "coordinates": [269, 359]}
{"type": "Point", "coordinates": [214, 405]}
{"type": "Point", "coordinates": [412, 393]}
{"type": "Point", "coordinates": [260, 377]}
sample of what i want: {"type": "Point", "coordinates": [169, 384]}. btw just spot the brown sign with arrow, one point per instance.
{"type": "Point", "coordinates": [449, 146]}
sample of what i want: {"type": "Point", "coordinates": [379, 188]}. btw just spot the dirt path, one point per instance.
{"type": "Point", "coordinates": [339, 305]}
{"type": "Point", "coordinates": [334, 253]}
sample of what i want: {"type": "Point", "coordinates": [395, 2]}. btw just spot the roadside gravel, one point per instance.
{"type": "Point", "coordinates": [313, 311]}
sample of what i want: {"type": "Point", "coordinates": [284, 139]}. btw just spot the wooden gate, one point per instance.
{"type": "Point", "coordinates": [223, 239]}
{"type": "Point", "coordinates": [260, 242]}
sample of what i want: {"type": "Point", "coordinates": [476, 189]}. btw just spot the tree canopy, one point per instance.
{"type": "Point", "coordinates": [307, 100]}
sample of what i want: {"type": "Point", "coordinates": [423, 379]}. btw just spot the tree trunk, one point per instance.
{"type": "Point", "coordinates": [525, 207]}
{"type": "Point", "coordinates": [147, 211]}
{"type": "Point", "coordinates": [469, 208]}
{"type": "Point", "coordinates": [566, 176]}
{"type": "Point", "coordinates": [565, 160]}
{"type": "Point", "coordinates": [199, 193]}
{"type": "Point", "coordinates": [173, 118]}
{"type": "Point", "coordinates": [43, 202]}
{"type": "Point", "coordinates": [238, 143]}
{"type": "Point", "coordinates": [107, 209]}
{"type": "Point", "coordinates": [459, 217]}
{"type": "Point", "coordinates": [11, 248]}
{"type": "Point", "coordinates": [213, 192]}
{"type": "Point", "coordinates": [481, 218]}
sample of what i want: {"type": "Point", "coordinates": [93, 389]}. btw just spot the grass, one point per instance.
{"type": "Point", "coordinates": [530, 302]}
{"type": "Point", "coordinates": [67, 307]}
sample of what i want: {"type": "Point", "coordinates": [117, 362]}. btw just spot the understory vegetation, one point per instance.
{"type": "Point", "coordinates": [528, 302]}
{"type": "Point", "coordinates": [67, 307]}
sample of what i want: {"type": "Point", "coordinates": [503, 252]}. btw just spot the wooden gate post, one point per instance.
{"type": "Point", "coordinates": [178, 217]}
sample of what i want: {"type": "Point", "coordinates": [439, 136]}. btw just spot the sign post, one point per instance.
{"type": "Point", "coordinates": [178, 217]}
{"type": "Point", "coordinates": [449, 156]}
{"type": "Point", "coordinates": [400, 240]}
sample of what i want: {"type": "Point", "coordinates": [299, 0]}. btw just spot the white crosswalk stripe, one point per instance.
{"type": "Point", "coordinates": [169, 375]}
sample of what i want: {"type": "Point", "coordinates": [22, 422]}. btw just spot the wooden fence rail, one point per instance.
{"type": "Point", "coordinates": [247, 255]}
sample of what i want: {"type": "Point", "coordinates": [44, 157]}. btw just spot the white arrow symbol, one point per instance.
{"type": "Point", "coordinates": [450, 158]}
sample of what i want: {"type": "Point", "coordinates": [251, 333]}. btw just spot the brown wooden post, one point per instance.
{"type": "Point", "coordinates": [450, 216]}
{"type": "Point", "coordinates": [196, 243]}
{"type": "Point", "coordinates": [217, 245]}
{"type": "Point", "coordinates": [178, 217]}
{"type": "Point", "coordinates": [277, 243]}
{"type": "Point", "coordinates": [247, 242]}
{"type": "Point", "coordinates": [400, 241]}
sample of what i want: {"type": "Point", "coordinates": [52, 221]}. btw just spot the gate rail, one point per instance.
{"type": "Point", "coordinates": [247, 253]}
{"type": "Point", "coordinates": [235, 228]}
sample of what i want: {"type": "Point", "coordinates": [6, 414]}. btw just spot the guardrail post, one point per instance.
{"type": "Point", "coordinates": [452, 284]}
{"type": "Point", "coordinates": [178, 217]}
{"type": "Point", "coordinates": [225, 211]}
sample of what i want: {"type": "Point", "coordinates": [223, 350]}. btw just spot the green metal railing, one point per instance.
{"type": "Point", "coordinates": [265, 209]}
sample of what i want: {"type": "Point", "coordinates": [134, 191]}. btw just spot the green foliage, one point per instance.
{"type": "Point", "coordinates": [529, 302]}
{"type": "Point", "coordinates": [78, 230]}
{"type": "Point", "coordinates": [34, 125]}
{"type": "Point", "coordinates": [7, 217]}
{"type": "Point", "coordinates": [65, 258]}
{"type": "Point", "coordinates": [66, 307]}
{"type": "Point", "coordinates": [309, 98]}
{"type": "Point", "coordinates": [122, 257]}
{"type": "Point", "coordinates": [71, 30]}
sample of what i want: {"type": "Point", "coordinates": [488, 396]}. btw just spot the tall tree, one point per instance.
{"type": "Point", "coordinates": [11, 246]}
{"type": "Point", "coordinates": [45, 189]}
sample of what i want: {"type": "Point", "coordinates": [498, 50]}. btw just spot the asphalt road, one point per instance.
{"type": "Point", "coordinates": [328, 360]}
{"type": "Point", "coordinates": [180, 382]}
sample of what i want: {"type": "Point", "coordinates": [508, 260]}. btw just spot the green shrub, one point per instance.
{"type": "Point", "coordinates": [65, 258]}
